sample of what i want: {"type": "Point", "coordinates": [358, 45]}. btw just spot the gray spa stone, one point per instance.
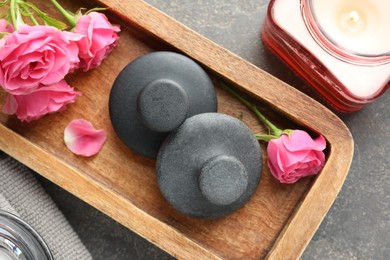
{"type": "Point", "coordinates": [153, 95]}
{"type": "Point", "coordinates": [162, 105]}
{"type": "Point", "coordinates": [209, 166]}
{"type": "Point", "coordinates": [223, 179]}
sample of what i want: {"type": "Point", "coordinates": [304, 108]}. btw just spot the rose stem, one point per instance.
{"type": "Point", "coordinates": [277, 132]}
{"type": "Point", "coordinates": [67, 15]}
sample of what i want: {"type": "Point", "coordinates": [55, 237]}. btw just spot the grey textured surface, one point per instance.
{"type": "Point", "coordinates": [223, 179]}
{"type": "Point", "coordinates": [141, 120]}
{"type": "Point", "coordinates": [358, 224]}
{"type": "Point", "coordinates": [163, 105]}
{"type": "Point", "coordinates": [188, 149]}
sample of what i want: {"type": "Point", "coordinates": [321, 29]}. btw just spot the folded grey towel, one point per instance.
{"type": "Point", "coordinates": [22, 195]}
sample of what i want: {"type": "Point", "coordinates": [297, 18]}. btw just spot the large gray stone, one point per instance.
{"type": "Point", "coordinates": [209, 166]}
{"type": "Point", "coordinates": [153, 95]}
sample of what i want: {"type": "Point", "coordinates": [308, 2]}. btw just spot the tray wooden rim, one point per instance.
{"type": "Point", "coordinates": [300, 228]}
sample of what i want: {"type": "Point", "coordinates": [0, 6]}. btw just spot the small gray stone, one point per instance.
{"type": "Point", "coordinates": [209, 166]}
{"type": "Point", "coordinates": [223, 179]}
{"type": "Point", "coordinates": [162, 105]}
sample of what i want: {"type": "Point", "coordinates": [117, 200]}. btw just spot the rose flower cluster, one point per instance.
{"type": "Point", "coordinates": [35, 59]}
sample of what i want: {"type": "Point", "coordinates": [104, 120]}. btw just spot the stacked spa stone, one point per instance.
{"type": "Point", "coordinates": [163, 105]}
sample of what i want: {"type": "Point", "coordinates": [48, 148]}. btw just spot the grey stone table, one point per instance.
{"type": "Point", "coordinates": [358, 224]}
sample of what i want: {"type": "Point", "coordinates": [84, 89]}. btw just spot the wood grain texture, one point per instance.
{"type": "Point", "coordinates": [277, 222]}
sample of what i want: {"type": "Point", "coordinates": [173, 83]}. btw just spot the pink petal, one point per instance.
{"type": "Point", "coordinates": [1, 76]}
{"type": "Point", "coordinates": [83, 139]}
{"type": "Point", "coordinates": [300, 140]}
{"type": "Point", "coordinates": [5, 26]}
{"type": "Point", "coordinates": [11, 105]}
{"type": "Point", "coordinates": [42, 101]}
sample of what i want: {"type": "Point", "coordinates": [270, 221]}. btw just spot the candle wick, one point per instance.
{"type": "Point", "coordinates": [354, 17]}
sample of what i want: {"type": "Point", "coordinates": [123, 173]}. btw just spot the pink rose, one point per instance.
{"type": "Point", "coordinates": [36, 55]}
{"type": "Point", "coordinates": [5, 26]}
{"type": "Point", "coordinates": [44, 100]}
{"type": "Point", "coordinates": [100, 38]}
{"type": "Point", "coordinates": [293, 157]}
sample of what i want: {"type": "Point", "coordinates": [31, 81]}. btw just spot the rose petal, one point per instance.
{"type": "Point", "coordinates": [300, 140]}
{"type": "Point", "coordinates": [5, 26]}
{"type": "Point", "coordinates": [83, 139]}
{"type": "Point", "coordinates": [11, 105]}
{"type": "Point", "coordinates": [42, 101]}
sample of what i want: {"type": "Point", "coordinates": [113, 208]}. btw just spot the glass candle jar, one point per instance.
{"type": "Point", "coordinates": [340, 47]}
{"type": "Point", "coordinates": [19, 241]}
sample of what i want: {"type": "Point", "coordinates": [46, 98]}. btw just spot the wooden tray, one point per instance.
{"type": "Point", "coordinates": [277, 222]}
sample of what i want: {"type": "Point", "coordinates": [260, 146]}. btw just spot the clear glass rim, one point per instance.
{"type": "Point", "coordinates": [16, 221]}
{"type": "Point", "coordinates": [327, 43]}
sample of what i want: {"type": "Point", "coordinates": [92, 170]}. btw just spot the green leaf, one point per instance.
{"type": "Point", "coordinates": [288, 132]}
{"type": "Point", "coordinates": [265, 138]}
{"type": "Point", "coordinates": [78, 14]}
{"type": "Point", "coordinates": [96, 9]}
{"type": "Point", "coordinates": [5, 16]}
{"type": "Point", "coordinates": [47, 19]}
{"type": "Point", "coordinates": [54, 22]}
{"type": "Point", "coordinates": [80, 11]}
{"type": "Point", "coordinates": [25, 11]}
{"type": "Point", "coordinates": [3, 34]}
{"type": "Point", "coordinates": [3, 3]}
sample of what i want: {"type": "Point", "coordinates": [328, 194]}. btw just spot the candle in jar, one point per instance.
{"type": "Point", "coordinates": [341, 47]}
{"type": "Point", "coordinates": [357, 26]}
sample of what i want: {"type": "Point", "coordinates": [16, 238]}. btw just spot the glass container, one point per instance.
{"type": "Point", "coordinates": [19, 241]}
{"type": "Point", "coordinates": [340, 47]}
